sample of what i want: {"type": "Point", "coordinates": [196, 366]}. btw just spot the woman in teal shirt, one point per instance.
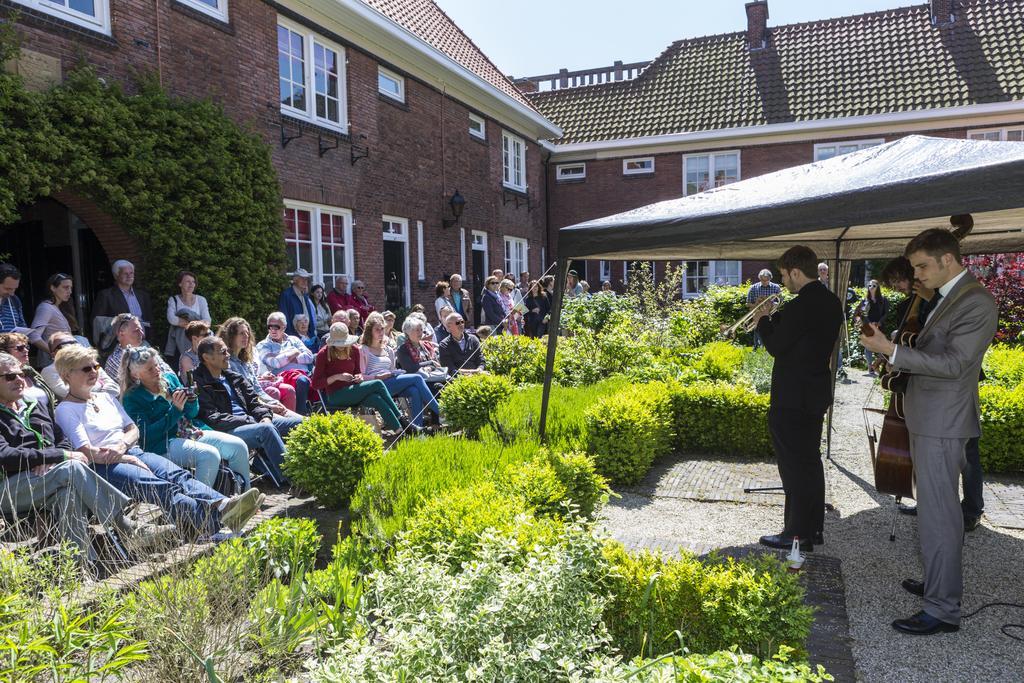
{"type": "Point", "coordinates": [166, 415]}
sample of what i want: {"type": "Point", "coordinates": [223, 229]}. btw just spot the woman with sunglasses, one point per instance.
{"type": "Point", "coordinates": [166, 412]}
{"type": "Point", "coordinates": [61, 340]}
{"type": "Point", "coordinates": [36, 387]}
{"type": "Point", "coordinates": [97, 426]}
{"type": "Point", "coordinates": [56, 313]}
{"type": "Point", "coordinates": [874, 309]}
{"type": "Point", "coordinates": [237, 335]}
{"type": "Point", "coordinates": [379, 362]}
{"type": "Point", "coordinates": [285, 356]}
{"type": "Point", "coordinates": [359, 302]}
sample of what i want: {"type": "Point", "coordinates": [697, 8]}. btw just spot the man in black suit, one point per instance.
{"type": "Point", "coordinates": [460, 352]}
{"type": "Point", "coordinates": [801, 338]}
{"type": "Point", "coordinates": [123, 297]}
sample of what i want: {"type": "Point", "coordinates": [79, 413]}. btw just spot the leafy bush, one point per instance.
{"type": "Point", "coordinates": [626, 431]}
{"type": "Point", "coordinates": [285, 619]}
{"type": "Point", "coordinates": [757, 370]}
{"type": "Point", "coordinates": [517, 357]}
{"type": "Point", "coordinates": [229, 578]}
{"type": "Point", "coordinates": [589, 358]}
{"type": "Point", "coordinates": [718, 418]}
{"type": "Point", "coordinates": [553, 480]}
{"type": "Point", "coordinates": [536, 622]}
{"type": "Point", "coordinates": [594, 314]}
{"type": "Point", "coordinates": [754, 604]}
{"type": "Point", "coordinates": [171, 614]}
{"type": "Point", "coordinates": [720, 360]}
{"type": "Point", "coordinates": [469, 400]}
{"type": "Point", "coordinates": [395, 486]}
{"type": "Point", "coordinates": [325, 455]}
{"type": "Point", "coordinates": [1004, 366]}
{"type": "Point", "coordinates": [283, 546]}
{"type": "Point", "coordinates": [1002, 429]}
{"type": "Point", "coordinates": [727, 666]}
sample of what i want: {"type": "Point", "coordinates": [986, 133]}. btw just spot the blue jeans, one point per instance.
{"type": "Point", "coordinates": [190, 504]}
{"type": "Point", "coordinates": [204, 455]}
{"type": "Point", "coordinates": [413, 387]}
{"type": "Point", "coordinates": [302, 395]}
{"type": "Point", "coordinates": [270, 438]}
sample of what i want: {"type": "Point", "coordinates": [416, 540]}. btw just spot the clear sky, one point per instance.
{"type": "Point", "coordinates": [532, 37]}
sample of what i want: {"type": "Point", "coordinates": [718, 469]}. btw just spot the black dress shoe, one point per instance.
{"type": "Point", "coordinates": [914, 587]}
{"type": "Point", "coordinates": [924, 624]}
{"type": "Point", "coordinates": [907, 509]}
{"type": "Point", "coordinates": [785, 542]}
{"type": "Point", "coordinates": [971, 522]}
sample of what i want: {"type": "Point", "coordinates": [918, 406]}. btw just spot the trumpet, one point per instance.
{"type": "Point", "coordinates": [749, 321]}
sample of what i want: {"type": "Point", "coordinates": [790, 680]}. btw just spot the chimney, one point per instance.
{"type": "Point", "coordinates": [942, 12]}
{"type": "Point", "coordinates": [757, 24]}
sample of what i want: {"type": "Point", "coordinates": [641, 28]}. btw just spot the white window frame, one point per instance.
{"type": "Point", "coordinates": [462, 252]}
{"type": "Point", "coordinates": [316, 241]}
{"type": "Point", "coordinates": [516, 263]}
{"type": "Point", "coordinates": [481, 245]}
{"type": "Point", "coordinates": [712, 274]}
{"type": "Point", "coordinates": [99, 22]}
{"type": "Point", "coordinates": [711, 156]}
{"type": "Point", "coordinates": [310, 38]}
{"type": "Point", "coordinates": [604, 270]}
{"type": "Point", "coordinates": [480, 121]}
{"type": "Point", "coordinates": [859, 144]}
{"type": "Point", "coordinates": [637, 171]}
{"type": "Point", "coordinates": [402, 237]}
{"type": "Point", "coordinates": [1003, 133]}
{"type": "Point", "coordinates": [568, 172]}
{"type": "Point", "coordinates": [219, 12]}
{"type": "Point", "coordinates": [399, 81]}
{"type": "Point", "coordinates": [509, 167]}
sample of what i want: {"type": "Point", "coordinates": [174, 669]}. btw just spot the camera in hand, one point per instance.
{"type": "Point", "coordinates": [188, 381]}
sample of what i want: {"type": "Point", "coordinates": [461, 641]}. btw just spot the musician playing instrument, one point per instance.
{"type": "Point", "coordinates": [801, 338]}
{"type": "Point", "coordinates": [942, 414]}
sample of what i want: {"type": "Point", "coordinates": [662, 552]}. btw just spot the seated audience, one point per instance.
{"type": "Point", "coordinates": [128, 331]}
{"type": "Point", "coordinates": [184, 308]}
{"type": "Point", "coordinates": [97, 426]}
{"type": "Point", "coordinates": [306, 335]}
{"type": "Point", "coordinates": [272, 392]}
{"type": "Point", "coordinates": [337, 375]}
{"type": "Point", "coordinates": [295, 300]}
{"type": "Point", "coordinates": [104, 383]}
{"type": "Point", "coordinates": [359, 302]}
{"type": "Point", "coordinates": [483, 332]}
{"type": "Point", "coordinates": [195, 332]}
{"type": "Point", "coordinates": [56, 313]}
{"type": "Point", "coordinates": [443, 292]}
{"type": "Point", "coordinates": [42, 472]}
{"type": "Point", "coordinates": [12, 315]}
{"type": "Point", "coordinates": [123, 297]}
{"type": "Point", "coordinates": [166, 412]}
{"type": "Point", "coordinates": [391, 335]}
{"type": "Point", "coordinates": [606, 288]}
{"type": "Point", "coordinates": [287, 357]}
{"type": "Point", "coordinates": [585, 286]}
{"type": "Point", "coordinates": [379, 363]}
{"type": "Point", "coordinates": [228, 403]}
{"type": "Point", "coordinates": [36, 388]}
{"type": "Point", "coordinates": [460, 352]}
{"type": "Point", "coordinates": [511, 306]}
{"type": "Point", "coordinates": [323, 310]}
{"type": "Point", "coordinates": [440, 330]}
{"type": "Point", "coordinates": [355, 322]}
{"type": "Point", "coordinates": [339, 298]}
{"type": "Point", "coordinates": [416, 355]}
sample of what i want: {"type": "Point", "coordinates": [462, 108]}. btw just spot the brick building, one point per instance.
{"type": "Point", "coordinates": [376, 113]}
{"type": "Point", "coordinates": [713, 110]}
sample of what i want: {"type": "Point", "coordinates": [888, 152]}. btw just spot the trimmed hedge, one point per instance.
{"type": "Point", "coordinates": [517, 357]}
{"type": "Point", "coordinates": [469, 400]}
{"type": "Point", "coordinates": [713, 605]}
{"type": "Point", "coordinates": [1004, 366]}
{"type": "Point", "coordinates": [1002, 429]}
{"type": "Point", "coordinates": [325, 455]}
{"type": "Point", "coordinates": [628, 430]}
{"type": "Point", "coordinates": [721, 419]}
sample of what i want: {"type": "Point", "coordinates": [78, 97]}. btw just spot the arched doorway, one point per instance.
{"type": "Point", "coordinates": [49, 238]}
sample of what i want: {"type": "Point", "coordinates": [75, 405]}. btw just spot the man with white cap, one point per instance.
{"type": "Point", "coordinates": [295, 300]}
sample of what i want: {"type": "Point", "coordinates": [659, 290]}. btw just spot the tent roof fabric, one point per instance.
{"type": "Point", "coordinates": [865, 204]}
{"type": "Point", "coordinates": [879, 63]}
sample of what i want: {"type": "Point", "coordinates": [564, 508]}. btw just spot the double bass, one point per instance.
{"type": "Point", "coordinates": [890, 449]}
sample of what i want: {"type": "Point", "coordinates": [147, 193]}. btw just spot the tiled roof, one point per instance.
{"type": "Point", "coordinates": [884, 62]}
{"type": "Point", "coordinates": [429, 23]}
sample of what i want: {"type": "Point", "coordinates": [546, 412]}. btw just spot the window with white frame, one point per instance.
{"type": "Point", "coordinates": [215, 8]}
{"type": "Point", "coordinates": [705, 171]}
{"type": "Point", "coordinates": [513, 161]}
{"type": "Point", "coordinates": [827, 150]}
{"type": "Point", "coordinates": [94, 14]}
{"type": "Point", "coordinates": [638, 166]}
{"type": "Point", "coordinates": [700, 275]}
{"type": "Point", "coordinates": [319, 239]}
{"type": "Point", "coordinates": [605, 271]}
{"type": "Point", "coordinates": [570, 171]}
{"type": "Point", "coordinates": [997, 134]}
{"type": "Point", "coordinates": [311, 76]}
{"type": "Point", "coordinates": [390, 84]}
{"type": "Point", "coordinates": [516, 250]}
{"type": "Point", "coordinates": [477, 127]}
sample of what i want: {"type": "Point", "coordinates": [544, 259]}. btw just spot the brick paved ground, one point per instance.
{"type": "Point", "coordinates": [1004, 502]}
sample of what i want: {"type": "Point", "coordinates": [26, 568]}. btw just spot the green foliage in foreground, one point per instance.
{"type": "Point", "coordinates": [326, 454]}
{"type": "Point", "coordinates": [1002, 429]}
{"type": "Point", "coordinates": [726, 666]}
{"type": "Point", "coordinates": [628, 430]}
{"type": "Point", "coordinates": [1004, 366]}
{"type": "Point", "coordinates": [468, 401]}
{"type": "Point", "coordinates": [721, 419]}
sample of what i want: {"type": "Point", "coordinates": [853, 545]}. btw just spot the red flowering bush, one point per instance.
{"type": "Point", "coordinates": [1003, 276]}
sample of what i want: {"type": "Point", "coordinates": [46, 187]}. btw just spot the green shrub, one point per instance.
{"type": "Point", "coordinates": [285, 618]}
{"type": "Point", "coordinates": [518, 357]}
{"type": "Point", "coordinates": [171, 614]}
{"type": "Point", "coordinates": [415, 470]}
{"type": "Point", "coordinates": [626, 431]}
{"type": "Point", "coordinates": [754, 604]}
{"type": "Point", "coordinates": [595, 314]}
{"type": "Point", "coordinates": [721, 419]}
{"type": "Point", "coordinates": [757, 370]}
{"type": "Point", "coordinates": [1004, 366]}
{"type": "Point", "coordinates": [469, 400]}
{"type": "Point", "coordinates": [720, 360]}
{"type": "Point", "coordinates": [229, 578]}
{"type": "Point", "coordinates": [1002, 429]}
{"type": "Point", "coordinates": [728, 666]}
{"type": "Point", "coordinates": [589, 358]}
{"type": "Point", "coordinates": [534, 622]}
{"type": "Point", "coordinates": [325, 455]}
{"type": "Point", "coordinates": [552, 481]}
{"type": "Point", "coordinates": [284, 546]}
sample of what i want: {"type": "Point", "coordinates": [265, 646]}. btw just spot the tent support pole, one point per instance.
{"type": "Point", "coordinates": [839, 345]}
{"type": "Point", "coordinates": [553, 328]}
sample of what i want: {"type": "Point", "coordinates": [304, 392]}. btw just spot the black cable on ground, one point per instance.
{"type": "Point", "coordinates": [1005, 628]}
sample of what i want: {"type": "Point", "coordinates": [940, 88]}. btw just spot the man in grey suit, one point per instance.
{"type": "Point", "coordinates": [942, 414]}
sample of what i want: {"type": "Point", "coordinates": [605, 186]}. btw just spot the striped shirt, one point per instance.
{"type": "Point", "coordinates": [758, 291]}
{"type": "Point", "coordinates": [11, 315]}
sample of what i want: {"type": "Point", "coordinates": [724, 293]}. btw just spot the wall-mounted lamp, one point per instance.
{"type": "Point", "coordinates": [457, 204]}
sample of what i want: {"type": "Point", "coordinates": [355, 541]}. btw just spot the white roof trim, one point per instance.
{"type": "Point", "coordinates": [816, 126]}
{"type": "Point", "coordinates": [409, 38]}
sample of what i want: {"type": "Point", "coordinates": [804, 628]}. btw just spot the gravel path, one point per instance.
{"type": "Point", "coordinates": [857, 533]}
